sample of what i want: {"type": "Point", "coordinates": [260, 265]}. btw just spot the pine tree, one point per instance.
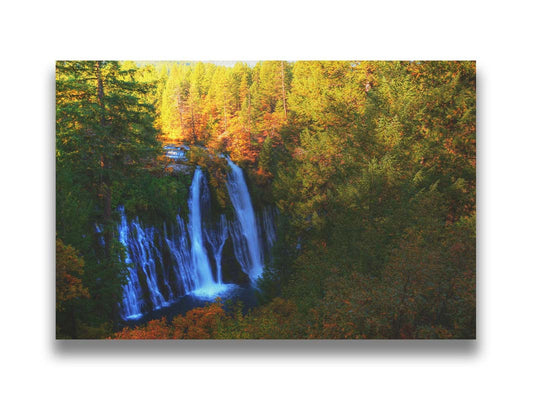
{"type": "Point", "coordinates": [104, 133]}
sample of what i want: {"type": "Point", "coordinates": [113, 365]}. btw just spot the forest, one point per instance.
{"type": "Point", "coordinates": [339, 196]}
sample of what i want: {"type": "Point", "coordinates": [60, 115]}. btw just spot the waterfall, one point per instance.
{"type": "Point", "coordinates": [200, 260]}
{"type": "Point", "coordinates": [244, 229]}
{"type": "Point", "coordinates": [132, 293]}
{"type": "Point", "coordinates": [268, 220]}
{"type": "Point", "coordinates": [141, 251]}
{"type": "Point", "coordinates": [144, 249]}
{"type": "Point", "coordinates": [216, 236]}
{"type": "Point", "coordinates": [172, 261]}
{"type": "Point", "coordinates": [206, 286]}
{"type": "Point", "coordinates": [144, 253]}
{"type": "Point", "coordinates": [180, 251]}
{"type": "Point", "coordinates": [268, 229]}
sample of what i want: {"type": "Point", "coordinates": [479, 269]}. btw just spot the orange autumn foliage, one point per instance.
{"type": "Point", "coordinates": [69, 268]}
{"type": "Point", "coordinates": [198, 323]}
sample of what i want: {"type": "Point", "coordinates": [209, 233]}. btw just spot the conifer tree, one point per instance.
{"type": "Point", "coordinates": [104, 133]}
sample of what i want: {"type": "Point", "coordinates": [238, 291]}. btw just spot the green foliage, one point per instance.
{"type": "Point", "coordinates": [105, 140]}
{"type": "Point", "coordinates": [278, 270]}
{"type": "Point", "coordinates": [216, 168]}
{"type": "Point", "coordinates": [382, 168]}
{"type": "Point", "coordinates": [153, 198]}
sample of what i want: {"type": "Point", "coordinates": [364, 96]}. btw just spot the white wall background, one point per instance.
{"type": "Point", "coordinates": [35, 34]}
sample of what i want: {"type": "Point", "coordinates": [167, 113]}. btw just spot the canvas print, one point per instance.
{"type": "Point", "coordinates": [265, 200]}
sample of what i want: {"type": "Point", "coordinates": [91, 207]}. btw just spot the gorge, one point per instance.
{"type": "Point", "coordinates": [200, 256]}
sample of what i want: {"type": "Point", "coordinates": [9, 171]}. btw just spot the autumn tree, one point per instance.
{"type": "Point", "coordinates": [69, 289]}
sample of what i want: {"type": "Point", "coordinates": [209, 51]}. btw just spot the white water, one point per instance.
{"type": "Point", "coordinates": [245, 234]}
{"type": "Point", "coordinates": [180, 250]}
{"type": "Point", "coordinates": [200, 260]}
{"type": "Point", "coordinates": [139, 253]}
{"type": "Point", "coordinates": [267, 217]}
{"type": "Point", "coordinates": [216, 236]}
{"type": "Point", "coordinates": [166, 265]}
{"type": "Point", "coordinates": [206, 286]}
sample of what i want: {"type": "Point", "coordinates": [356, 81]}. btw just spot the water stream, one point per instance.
{"type": "Point", "coordinates": [188, 259]}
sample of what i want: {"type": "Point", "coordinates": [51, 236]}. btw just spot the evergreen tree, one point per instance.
{"type": "Point", "coordinates": [104, 133]}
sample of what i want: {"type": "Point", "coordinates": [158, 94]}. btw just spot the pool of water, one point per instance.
{"type": "Point", "coordinates": [245, 294]}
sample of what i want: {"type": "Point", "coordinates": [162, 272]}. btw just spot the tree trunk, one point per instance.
{"type": "Point", "coordinates": [225, 117]}
{"type": "Point", "coordinates": [192, 123]}
{"type": "Point", "coordinates": [283, 89]}
{"type": "Point", "coordinates": [105, 185]}
{"type": "Point", "coordinates": [180, 110]}
{"type": "Point", "coordinates": [249, 122]}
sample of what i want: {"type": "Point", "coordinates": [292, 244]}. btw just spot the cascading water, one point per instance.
{"type": "Point", "coordinates": [165, 264]}
{"type": "Point", "coordinates": [142, 252]}
{"type": "Point", "coordinates": [267, 217]}
{"type": "Point", "coordinates": [180, 251]}
{"type": "Point", "coordinates": [200, 260]}
{"type": "Point", "coordinates": [216, 236]}
{"type": "Point", "coordinates": [245, 234]}
{"type": "Point", "coordinates": [132, 293]}
{"type": "Point", "coordinates": [145, 252]}
{"type": "Point", "coordinates": [206, 286]}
